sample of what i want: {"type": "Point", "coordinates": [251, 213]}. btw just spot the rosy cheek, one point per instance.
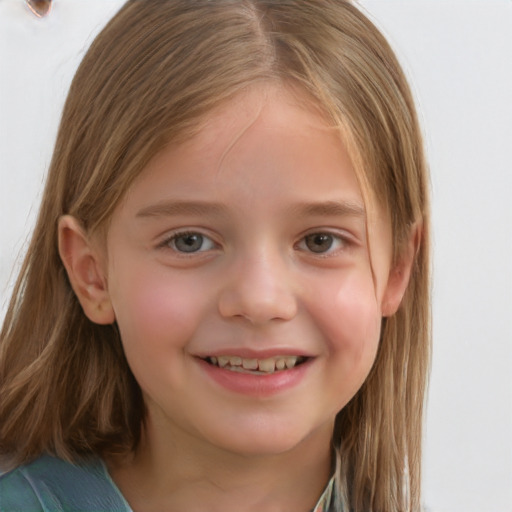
{"type": "Point", "coordinates": [157, 309]}
{"type": "Point", "coordinates": [352, 320]}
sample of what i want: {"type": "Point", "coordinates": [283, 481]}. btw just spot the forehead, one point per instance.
{"type": "Point", "coordinates": [266, 105]}
{"type": "Point", "coordinates": [268, 130]}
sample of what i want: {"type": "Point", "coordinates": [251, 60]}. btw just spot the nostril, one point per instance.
{"type": "Point", "coordinates": [257, 306]}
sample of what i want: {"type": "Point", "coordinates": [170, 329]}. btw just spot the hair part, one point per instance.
{"type": "Point", "coordinates": [150, 77]}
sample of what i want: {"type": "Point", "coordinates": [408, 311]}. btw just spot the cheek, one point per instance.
{"type": "Point", "coordinates": [157, 308]}
{"type": "Point", "coordinates": [349, 316]}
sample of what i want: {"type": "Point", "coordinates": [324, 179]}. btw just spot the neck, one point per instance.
{"type": "Point", "coordinates": [185, 475]}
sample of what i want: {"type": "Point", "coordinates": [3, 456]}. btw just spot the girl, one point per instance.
{"type": "Point", "coordinates": [225, 302]}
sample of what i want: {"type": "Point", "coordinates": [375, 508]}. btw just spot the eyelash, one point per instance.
{"type": "Point", "coordinates": [170, 242]}
{"type": "Point", "coordinates": [337, 242]}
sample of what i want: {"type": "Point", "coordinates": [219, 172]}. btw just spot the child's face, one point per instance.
{"type": "Point", "coordinates": [248, 243]}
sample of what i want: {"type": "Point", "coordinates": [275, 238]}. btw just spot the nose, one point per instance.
{"type": "Point", "coordinates": [259, 289]}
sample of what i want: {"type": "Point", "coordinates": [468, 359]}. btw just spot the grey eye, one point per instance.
{"type": "Point", "coordinates": [319, 242]}
{"type": "Point", "coordinates": [190, 242]}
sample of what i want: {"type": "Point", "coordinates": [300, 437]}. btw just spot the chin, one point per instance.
{"type": "Point", "coordinates": [271, 439]}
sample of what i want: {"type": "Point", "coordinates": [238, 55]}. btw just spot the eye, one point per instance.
{"type": "Point", "coordinates": [321, 243]}
{"type": "Point", "coordinates": [189, 242]}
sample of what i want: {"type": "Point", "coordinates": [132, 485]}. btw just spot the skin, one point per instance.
{"type": "Point", "coordinates": [263, 178]}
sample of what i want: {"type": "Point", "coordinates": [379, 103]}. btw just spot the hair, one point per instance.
{"type": "Point", "coordinates": [148, 79]}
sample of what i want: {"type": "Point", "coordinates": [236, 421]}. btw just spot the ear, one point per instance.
{"type": "Point", "coordinates": [400, 273]}
{"type": "Point", "coordinates": [83, 262]}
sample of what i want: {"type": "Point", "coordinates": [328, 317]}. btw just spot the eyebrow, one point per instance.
{"type": "Point", "coordinates": [329, 209]}
{"type": "Point", "coordinates": [321, 209]}
{"type": "Point", "coordinates": [170, 208]}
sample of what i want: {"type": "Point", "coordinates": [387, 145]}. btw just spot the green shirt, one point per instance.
{"type": "Point", "coordinates": [52, 485]}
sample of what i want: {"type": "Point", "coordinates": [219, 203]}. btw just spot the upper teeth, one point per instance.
{"type": "Point", "coordinates": [268, 365]}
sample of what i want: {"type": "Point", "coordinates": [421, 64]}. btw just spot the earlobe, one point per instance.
{"type": "Point", "coordinates": [83, 264]}
{"type": "Point", "coordinates": [400, 273]}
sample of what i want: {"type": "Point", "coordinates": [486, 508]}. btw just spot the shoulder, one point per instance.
{"type": "Point", "coordinates": [51, 484]}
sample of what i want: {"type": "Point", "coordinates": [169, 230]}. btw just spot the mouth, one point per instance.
{"type": "Point", "coordinates": [266, 366]}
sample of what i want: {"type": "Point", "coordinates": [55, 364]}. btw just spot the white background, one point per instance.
{"type": "Point", "coordinates": [458, 55]}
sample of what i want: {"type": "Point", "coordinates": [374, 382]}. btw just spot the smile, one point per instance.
{"type": "Point", "coordinates": [256, 366]}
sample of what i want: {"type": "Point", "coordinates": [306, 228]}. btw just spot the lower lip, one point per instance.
{"type": "Point", "coordinates": [256, 385]}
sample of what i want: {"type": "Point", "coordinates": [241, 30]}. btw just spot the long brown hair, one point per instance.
{"type": "Point", "coordinates": [149, 78]}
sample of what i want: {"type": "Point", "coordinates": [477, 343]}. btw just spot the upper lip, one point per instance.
{"type": "Point", "coordinates": [247, 353]}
